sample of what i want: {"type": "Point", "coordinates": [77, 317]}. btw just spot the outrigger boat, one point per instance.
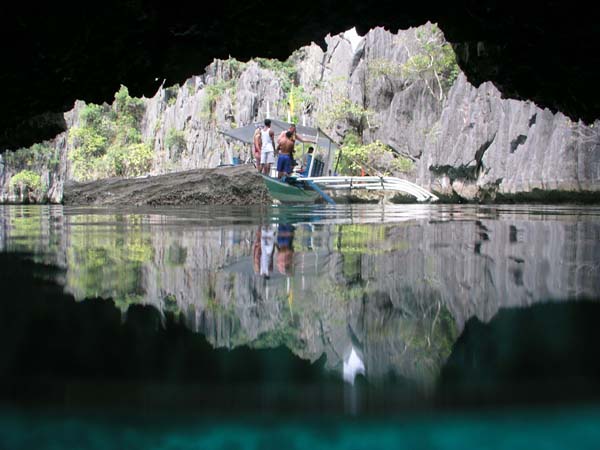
{"type": "Point", "coordinates": [309, 186]}
{"type": "Point", "coordinates": [286, 192]}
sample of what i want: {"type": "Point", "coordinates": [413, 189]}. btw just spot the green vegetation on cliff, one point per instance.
{"type": "Point", "coordinates": [296, 99]}
{"type": "Point", "coordinates": [435, 63]}
{"type": "Point", "coordinates": [285, 70]}
{"type": "Point", "coordinates": [347, 112]}
{"type": "Point", "coordinates": [213, 93]}
{"type": "Point", "coordinates": [375, 158]}
{"type": "Point", "coordinates": [175, 143]}
{"type": "Point", "coordinates": [35, 157]}
{"type": "Point", "coordinates": [27, 184]}
{"type": "Point", "coordinates": [109, 142]}
{"type": "Point", "coordinates": [29, 165]}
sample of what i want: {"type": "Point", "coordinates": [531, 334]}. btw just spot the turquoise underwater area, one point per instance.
{"type": "Point", "coordinates": [508, 429]}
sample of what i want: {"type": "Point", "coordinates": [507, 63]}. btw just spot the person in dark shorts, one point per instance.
{"type": "Point", "coordinates": [294, 137]}
{"type": "Point", "coordinates": [284, 161]}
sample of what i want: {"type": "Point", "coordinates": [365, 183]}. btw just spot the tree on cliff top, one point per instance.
{"type": "Point", "coordinates": [435, 63]}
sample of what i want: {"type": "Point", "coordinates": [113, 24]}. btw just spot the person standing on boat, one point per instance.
{"type": "Point", "coordinates": [267, 152]}
{"type": "Point", "coordinates": [284, 160]}
{"type": "Point", "coordinates": [295, 137]}
{"type": "Point", "coordinates": [307, 160]}
{"type": "Point", "coordinates": [257, 147]}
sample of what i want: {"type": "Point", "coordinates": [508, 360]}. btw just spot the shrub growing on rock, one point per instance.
{"type": "Point", "coordinates": [109, 141]}
{"type": "Point", "coordinates": [27, 186]}
{"type": "Point", "coordinates": [375, 158]}
{"type": "Point", "coordinates": [175, 142]}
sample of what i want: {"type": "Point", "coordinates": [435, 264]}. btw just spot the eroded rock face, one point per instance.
{"type": "Point", "coordinates": [53, 167]}
{"type": "Point", "coordinates": [240, 97]}
{"type": "Point", "coordinates": [484, 145]}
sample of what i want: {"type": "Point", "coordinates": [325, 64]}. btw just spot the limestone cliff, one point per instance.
{"type": "Point", "coordinates": [465, 143]}
{"type": "Point", "coordinates": [483, 146]}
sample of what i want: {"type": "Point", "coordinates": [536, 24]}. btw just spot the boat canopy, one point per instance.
{"type": "Point", "coordinates": [246, 133]}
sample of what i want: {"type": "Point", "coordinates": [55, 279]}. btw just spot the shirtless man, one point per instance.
{"type": "Point", "coordinates": [284, 161]}
{"type": "Point", "coordinates": [295, 137]}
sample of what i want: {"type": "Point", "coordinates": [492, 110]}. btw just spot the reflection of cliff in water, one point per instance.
{"type": "Point", "coordinates": [398, 294]}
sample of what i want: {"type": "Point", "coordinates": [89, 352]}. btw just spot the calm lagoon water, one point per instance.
{"type": "Point", "coordinates": [423, 326]}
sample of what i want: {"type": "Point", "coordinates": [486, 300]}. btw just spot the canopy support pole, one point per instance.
{"type": "Point", "coordinates": [329, 159]}
{"type": "Point", "coordinates": [337, 163]}
{"type": "Point", "coordinates": [314, 155]}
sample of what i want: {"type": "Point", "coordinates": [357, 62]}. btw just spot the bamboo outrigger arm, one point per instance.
{"type": "Point", "coordinates": [374, 183]}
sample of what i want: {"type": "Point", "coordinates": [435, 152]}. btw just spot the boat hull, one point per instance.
{"type": "Point", "coordinates": [287, 193]}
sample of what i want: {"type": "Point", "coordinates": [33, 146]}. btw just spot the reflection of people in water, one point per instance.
{"type": "Point", "coordinates": [256, 252]}
{"type": "Point", "coordinates": [267, 245]}
{"type": "Point", "coordinates": [285, 251]}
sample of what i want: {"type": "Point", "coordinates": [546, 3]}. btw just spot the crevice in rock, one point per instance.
{"type": "Point", "coordinates": [519, 140]}
{"type": "Point", "coordinates": [482, 149]}
{"type": "Point", "coordinates": [479, 155]}
{"type": "Point", "coordinates": [323, 65]}
{"type": "Point", "coordinates": [357, 57]}
{"type": "Point", "coordinates": [532, 120]}
{"type": "Point", "coordinates": [462, 172]}
{"type": "Point", "coordinates": [327, 56]}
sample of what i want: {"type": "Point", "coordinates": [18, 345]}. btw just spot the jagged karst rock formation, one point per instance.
{"type": "Point", "coordinates": [486, 146]}
{"type": "Point", "coordinates": [546, 51]}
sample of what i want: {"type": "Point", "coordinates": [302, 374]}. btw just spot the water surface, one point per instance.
{"type": "Point", "coordinates": [347, 310]}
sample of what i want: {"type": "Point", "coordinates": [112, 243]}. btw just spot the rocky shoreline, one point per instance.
{"type": "Point", "coordinates": [241, 185]}
{"type": "Point", "coordinates": [228, 185]}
